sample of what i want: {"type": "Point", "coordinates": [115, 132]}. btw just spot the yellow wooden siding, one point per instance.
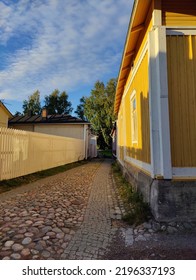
{"type": "Point", "coordinates": [179, 13]}
{"type": "Point", "coordinates": [181, 51]}
{"type": "Point", "coordinates": [141, 44]}
{"type": "Point", "coordinates": [120, 137]}
{"type": "Point", "coordinates": [141, 149]}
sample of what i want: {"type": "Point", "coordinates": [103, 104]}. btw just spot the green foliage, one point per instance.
{"type": "Point", "coordinates": [98, 109]}
{"type": "Point", "coordinates": [105, 153]}
{"type": "Point", "coordinates": [57, 103]}
{"type": "Point", "coordinates": [137, 211]}
{"type": "Point", "coordinates": [80, 109]}
{"type": "Point", "coordinates": [33, 104]}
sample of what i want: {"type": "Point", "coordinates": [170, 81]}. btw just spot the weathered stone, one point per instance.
{"type": "Point", "coordinates": [48, 223]}
{"type": "Point", "coordinates": [39, 247]}
{"type": "Point", "coordinates": [17, 247]}
{"type": "Point", "coordinates": [38, 223]}
{"type": "Point", "coordinates": [16, 256]}
{"type": "Point", "coordinates": [51, 234]}
{"type": "Point", "coordinates": [11, 233]}
{"type": "Point", "coordinates": [35, 257]}
{"type": "Point", "coordinates": [45, 254]}
{"type": "Point", "coordinates": [34, 230]}
{"type": "Point", "coordinates": [6, 229]}
{"type": "Point", "coordinates": [76, 202]}
{"type": "Point", "coordinates": [171, 229]}
{"type": "Point", "coordinates": [5, 253]}
{"type": "Point", "coordinates": [156, 226]}
{"type": "Point", "coordinates": [46, 237]}
{"type": "Point", "coordinates": [140, 238]}
{"type": "Point", "coordinates": [22, 230]}
{"type": "Point", "coordinates": [9, 243]}
{"type": "Point", "coordinates": [64, 245]}
{"type": "Point", "coordinates": [67, 237]}
{"type": "Point", "coordinates": [18, 236]}
{"type": "Point", "coordinates": [129, 237]}
{"type": "Point", "coordinates": [7, 219]}
{"type": "Point", "coordinates": [44, 212]}
{"type": "Point", "coordinates": [147, 225]}
{"type": "Point", "coordinates": [26, 240]}
{"type": "Point", "coordinates": [25, 252]}
{"type": "Point", "coordinates": [66, 230]}
{"type": "Point", "coordinates": [60, 235]}
{"type": "Point", "coordinates": [34, 252]}
{"type": "Point", "coordinates": [42, 242]}
{"type": "Point", "coordinates": [29, 222]}
{"type": "Point", "coordinates": [56, 230]}
{"type": "Point", "coordinates": [28, 234]}
{"type": "Point", "coordinates": [163, 227]}
{"type": "Point", "coordinates": [46, 229]}
{"type": "Point", "coordinates": [187, 225]}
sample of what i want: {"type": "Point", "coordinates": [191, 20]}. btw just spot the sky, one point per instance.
{"type": "Point", "coordinates": [59, 44]}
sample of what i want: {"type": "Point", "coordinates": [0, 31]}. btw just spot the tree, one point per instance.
{"type": "Point", "coordinates": [57, 103]}
{"type": "Point", "coordinates": [80, 109]}
{"type": "Point", "coordinates": [99, 108]}
{"type": "Point", "coordinates": [33, 104]}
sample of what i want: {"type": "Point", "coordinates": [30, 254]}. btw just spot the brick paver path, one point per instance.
{"type": "Point", "coordinates": [66, 216]}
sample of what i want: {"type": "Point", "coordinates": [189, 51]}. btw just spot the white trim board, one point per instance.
{"type": "Point", "coordinates": [158, 105]}
{"type": "Point", "coordinates": [157, 13]}
{"type": "Point", "coordinates": [184, 172]}
{"type": "Point", "coordinates": [146, 167]}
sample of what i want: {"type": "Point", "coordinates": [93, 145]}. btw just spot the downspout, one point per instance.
{"type": "Point", "coordinates": [85, 142]}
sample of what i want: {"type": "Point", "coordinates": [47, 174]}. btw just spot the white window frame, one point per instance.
{"type": "Point", "coordinates": [134, 128]}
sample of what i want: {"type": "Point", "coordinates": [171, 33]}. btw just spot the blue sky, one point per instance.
{"type": "Point", "coordinates": [64, 44]}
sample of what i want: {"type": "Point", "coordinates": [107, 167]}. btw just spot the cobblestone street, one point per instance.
{"type": "Point", "coordinates": [77, 215]}
{"type": "Point", "coordinates": [66, 216]}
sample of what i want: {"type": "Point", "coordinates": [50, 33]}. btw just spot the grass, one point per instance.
{"type": "Point", "coordinates": [7, 185]}
{"type": "Point", "coordinates": [137, 211]}
{"type": "Point", "coordinates": [105, 153]}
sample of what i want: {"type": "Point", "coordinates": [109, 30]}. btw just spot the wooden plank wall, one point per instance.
{"type": "Point", "coordinates": [23, 152]}
{"type": "Point", "coordinates": [141, 149]}
{"type": "Point", "coordinates": [181, 51]}
{"type": "Point", "coordinates": [179, 13]}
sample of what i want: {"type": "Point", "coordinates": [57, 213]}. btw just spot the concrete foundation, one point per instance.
{"type": "Point", "coordinates": [169, 200]}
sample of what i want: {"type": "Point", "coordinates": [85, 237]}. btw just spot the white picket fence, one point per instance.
{"type": "Point", "coordinates": [23, 152]}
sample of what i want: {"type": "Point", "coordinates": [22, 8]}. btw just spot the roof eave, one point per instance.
{"type": "Point", "coordinates": [135, 28]}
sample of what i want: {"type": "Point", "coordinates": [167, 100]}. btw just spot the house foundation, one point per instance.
{"type": "Point", "coordinates": [169, 200]}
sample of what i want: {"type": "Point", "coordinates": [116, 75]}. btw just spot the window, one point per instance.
{"type": "Point", "coordinates": [134, 130]}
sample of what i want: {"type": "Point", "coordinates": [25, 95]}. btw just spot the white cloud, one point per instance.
{"type": "Point", "coordinates": [72, 43]}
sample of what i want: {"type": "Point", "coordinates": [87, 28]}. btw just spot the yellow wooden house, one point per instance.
{"type": "Point", "coordinates": [4, 115]}
{"type": "Point", "coordinates": [155, 104]}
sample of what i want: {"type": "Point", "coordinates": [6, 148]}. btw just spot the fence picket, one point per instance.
{"type": "Point", "coordinates": [24, 152]}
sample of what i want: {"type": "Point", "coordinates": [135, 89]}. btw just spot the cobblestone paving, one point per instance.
{"type": "Point", "coordinates": [66, 216]}
{"type": "Point", "coordinates": [96, 232]}
{"type": "Point", "coordinates": [73, 215]}
{"type": "Point", "coordinates": [39, 220]}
